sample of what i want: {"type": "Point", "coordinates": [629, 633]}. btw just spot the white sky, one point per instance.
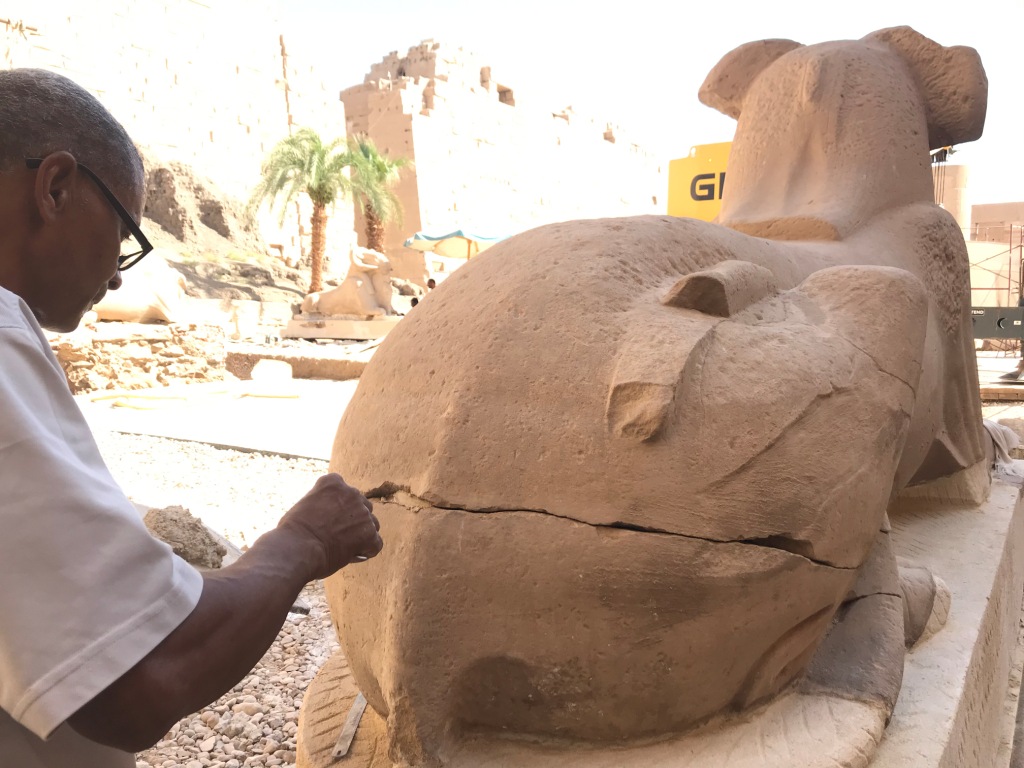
{"type": "Point", "coordinates": [639, 63]}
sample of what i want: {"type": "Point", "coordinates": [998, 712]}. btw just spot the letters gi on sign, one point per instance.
{"type": "Point", "coordinates": [696, 183]}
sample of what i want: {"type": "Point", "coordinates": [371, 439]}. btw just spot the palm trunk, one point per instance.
{"type": "Point", "coordinates": [374, 230]}
{"type": "Point", "coordinates": [317, 245]}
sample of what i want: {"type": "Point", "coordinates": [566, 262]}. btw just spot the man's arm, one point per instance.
{"type": "Point", "coordinates": [239, 614]}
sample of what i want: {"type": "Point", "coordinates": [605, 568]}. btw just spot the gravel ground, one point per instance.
{"type": "Point", "coordinates": [240, 495]}
{"type": "Point", "coordinates": [236, 493]}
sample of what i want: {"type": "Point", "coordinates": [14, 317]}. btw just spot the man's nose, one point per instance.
{"type": "Point", "coordinates": [115, 281]}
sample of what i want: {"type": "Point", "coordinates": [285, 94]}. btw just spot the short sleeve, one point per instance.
{"type": "Point", "coordinates": [85, 591]}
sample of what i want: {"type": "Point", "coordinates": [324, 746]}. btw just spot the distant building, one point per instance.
{"type": "Point", "coordinates": [994, 234]}
{"type": "Point", "coordinates": [996, 240]}
{"type": "Point", "coordinates": [951, 191]}
{"type": "Point", "coordinates": [997, 222]}
{"type": "Point", "coordinates": [488, 158]}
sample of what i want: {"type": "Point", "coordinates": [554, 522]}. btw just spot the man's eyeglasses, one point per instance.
{"type": "Point", "coordinates": [134, 248]}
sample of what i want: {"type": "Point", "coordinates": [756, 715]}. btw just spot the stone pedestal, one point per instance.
{"type": "Point", "coordinates": [339, 327]}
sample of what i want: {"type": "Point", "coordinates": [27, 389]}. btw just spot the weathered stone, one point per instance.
{"type": "Point", "coordinates": [660, 599]}
{"type": "Point", "coordinates": [187, 536]}
{"type": "Point", "coordinates": [210, 718]}
{"type": "Point", "coordinates": [132, 356]}
{"type": "Point", "coordinates": [183, 203]}
{"type": "Point", "coordinates": [248, 708]}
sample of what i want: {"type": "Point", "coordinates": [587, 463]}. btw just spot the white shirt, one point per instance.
{"type": "Point", "coordinates": [85, 590]}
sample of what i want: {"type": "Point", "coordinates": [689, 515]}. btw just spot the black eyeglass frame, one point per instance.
{"type": "Point", "coordinates": [128, 260]}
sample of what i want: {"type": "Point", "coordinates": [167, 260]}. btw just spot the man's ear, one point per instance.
{"type": "Point", "coordinates": [54, 178]}
{"type": "Point", "coordinates": [952, 82]}
{"type": "Point", "coordinates": [727, 83]}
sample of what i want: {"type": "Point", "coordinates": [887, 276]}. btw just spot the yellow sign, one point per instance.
{"type": "Point", "coordinates": [696, 182]}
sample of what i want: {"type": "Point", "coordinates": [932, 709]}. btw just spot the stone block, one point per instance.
{"type": "Point", "coordinates": [333, 363]}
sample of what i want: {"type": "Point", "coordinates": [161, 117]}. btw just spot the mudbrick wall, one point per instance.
{"type": "Point", "coordinates": [490, 158]}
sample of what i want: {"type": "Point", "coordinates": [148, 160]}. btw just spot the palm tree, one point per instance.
{"type": "Point", "coordinates": [303, 163]}
{"type": "Point", "coordinates": [373, 176]}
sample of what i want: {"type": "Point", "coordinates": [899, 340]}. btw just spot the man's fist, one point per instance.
{"type": "Point", "coordinates": [340, 520]}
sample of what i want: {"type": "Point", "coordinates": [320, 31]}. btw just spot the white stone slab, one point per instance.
{"type": "Point", "coordinates": [950, 713]}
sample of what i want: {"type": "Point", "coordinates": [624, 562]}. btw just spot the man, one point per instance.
{"type": "Point", "coordinates": [106, 637]}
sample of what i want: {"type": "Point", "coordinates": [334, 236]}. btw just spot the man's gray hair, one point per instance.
{"type": "Point", "coordinates": [42, 112]}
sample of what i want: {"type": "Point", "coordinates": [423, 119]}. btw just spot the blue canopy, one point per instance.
{"type": "Point", "coordinates": [457, 244]}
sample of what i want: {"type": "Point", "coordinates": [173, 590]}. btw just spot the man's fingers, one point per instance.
{"type": "Point", "coordinates": [376, 522]}
{"type": "Point", "coordinates": [373, 547]}
{"type": "Point", "coordinates": [331, 478]}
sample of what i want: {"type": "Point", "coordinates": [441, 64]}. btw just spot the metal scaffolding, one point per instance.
{"type": "Point", "coordinates": [1006, 266]}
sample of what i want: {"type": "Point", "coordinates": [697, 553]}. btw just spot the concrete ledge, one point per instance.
{"type": "Point", "coordinates": [314, 362]}
{"type": "Point", "coordinates": [995, 391]}
{"type": "Point", "coordinates": [316, 327]}
{"type": "Point", "coordinates": [242, 316]}
{"type": "Point", "coordinates": [951, 709]}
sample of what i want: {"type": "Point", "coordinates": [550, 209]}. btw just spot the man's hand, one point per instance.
{"type": "Point", "coordinates": [338, 521]}
{"type": "Point", "coordinates": [238, 616]}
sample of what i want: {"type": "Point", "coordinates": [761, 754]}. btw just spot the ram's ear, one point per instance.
{"type": "Point", "coordinates": [952, 82]}
{"type": "Point", "coordinates": [727, 84]}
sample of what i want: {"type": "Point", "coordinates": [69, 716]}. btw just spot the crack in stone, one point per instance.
{"type": "Point", "coordinates": [776, 543]}
{"type": "Point", "coordinates": [874, 360]}
{"type": "Point", "coordinates": [855, 598]}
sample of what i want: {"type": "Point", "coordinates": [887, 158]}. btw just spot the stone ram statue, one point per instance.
{"type": "Point", "coordinates": [364, 293]}
{"type": "Point", "coordinates": [642, 488]}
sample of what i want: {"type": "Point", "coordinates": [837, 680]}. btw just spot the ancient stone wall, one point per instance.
{"type": "Point", "coordinates": [135, 356]}
{"type": "Point", "coordinates": [997, 222]}
{"type": "Point", "coordinates": [486, 157]}
{"type": "Point", "coordinates": [207, 83]}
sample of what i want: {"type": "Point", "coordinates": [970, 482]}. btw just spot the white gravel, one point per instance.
{"type": "Point", "coordinates": [236, 493]}
{"type": "Point", "coordinates": [240, 495]}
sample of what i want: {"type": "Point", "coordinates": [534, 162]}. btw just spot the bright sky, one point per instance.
{"type": "Point", "coordinates": [639, 63]}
